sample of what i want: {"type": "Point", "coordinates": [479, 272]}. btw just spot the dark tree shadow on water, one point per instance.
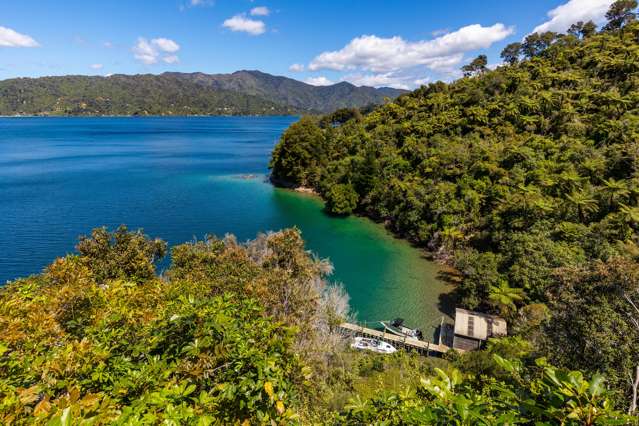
{"type": "Point", "coordinates": [450, 300]}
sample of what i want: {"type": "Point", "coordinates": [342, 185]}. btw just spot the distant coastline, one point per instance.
{"type": "Point", "coordinates": [242, 93]}
{"type": "Point", "coordinates": [142, 116]}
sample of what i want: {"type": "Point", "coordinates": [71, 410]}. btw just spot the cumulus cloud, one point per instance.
{"type": "Point", "coordinates": [319, 81]}
{"type": "Point", "coordinates": [11, 38]}
{"type": "Point", "coordinates": [296, 68]}
{"type": "Point", "coordinates": [150, 52]}
{"type": "Point", "coordinates": [382, 55]}
{"type": "Point", "coordinates": [388, 79]}
{"type": "Point", "coordinates": [166, 45]}
{"type": "Point", "coordinates": [171, 59]}
{"type": "Point", "coordinates": [260, 11]}
{"type": "Point", "coordinates": [243, 24]}
{"type": "Point", "coordinates": [563, 16]}
{"type": "Point", "coordinates": [96, 66]}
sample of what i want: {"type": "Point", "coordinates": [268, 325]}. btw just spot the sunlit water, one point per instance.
{"type": "Point", "coordinates": [179, 179]}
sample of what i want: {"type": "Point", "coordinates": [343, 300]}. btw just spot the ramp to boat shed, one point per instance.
{"type": "Point", "coordinates": [423, 347]}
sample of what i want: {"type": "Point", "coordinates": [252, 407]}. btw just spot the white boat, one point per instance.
{"type": "Point", "coordinates": [374, 345]}
{"type": "Point", "coordinates": [397, 327]}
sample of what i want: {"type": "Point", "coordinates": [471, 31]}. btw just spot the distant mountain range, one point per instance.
{"type": "Point", "coordinates": [239, 93]}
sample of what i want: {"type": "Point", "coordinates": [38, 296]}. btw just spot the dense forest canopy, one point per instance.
{"type": "Point", "coordinates": [525, 177]}
{"type": "Point", "coordinates": [240, 93]}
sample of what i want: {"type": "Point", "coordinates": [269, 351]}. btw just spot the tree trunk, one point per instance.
{"type": "Point", "coordinates": [635, 385]}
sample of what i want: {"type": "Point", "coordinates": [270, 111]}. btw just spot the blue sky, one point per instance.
{"type": "Point", "coordinates": [379, 43]}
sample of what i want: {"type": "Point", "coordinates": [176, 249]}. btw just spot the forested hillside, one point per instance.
{"type": "Point", "coordinates": [240, 93]}
{"type": "Point", "coordinates": [525, 178]}
{"type": "Point", "coordinates": [296, 94]}
{"type": "Point", "coordinates": [125, 95]}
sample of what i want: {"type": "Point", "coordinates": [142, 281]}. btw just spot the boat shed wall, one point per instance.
{"type": "Point", "coordinates": [478, 325]}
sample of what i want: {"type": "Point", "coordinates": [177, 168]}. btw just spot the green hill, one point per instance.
{"type": "Point", "coordinates": [240, 93]}
{"type": "Point", "coordinates": [525, 178]}
{"type": "Point", "coordinates": [295, 94]}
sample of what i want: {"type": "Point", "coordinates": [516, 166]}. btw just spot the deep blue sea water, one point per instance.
{"type": "Point", "coordinates": [179, 179]}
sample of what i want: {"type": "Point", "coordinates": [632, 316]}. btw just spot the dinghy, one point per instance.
{"type": "Point", "coordinates": [397, 327]}
{"type": "Point", "coordinates": [364, 343]}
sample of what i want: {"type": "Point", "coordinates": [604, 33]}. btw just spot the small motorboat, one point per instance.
{"type": "Point", "coordinates": [397, 327]}
{"type": "Point", "coordinates": [374, 345]}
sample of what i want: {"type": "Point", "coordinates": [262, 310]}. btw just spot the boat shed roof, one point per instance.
{"type": "Point", "coordinates": [478, 325]}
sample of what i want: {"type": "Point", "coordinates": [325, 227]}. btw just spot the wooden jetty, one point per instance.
{"type": "Point", "coordinates": [420, 346]}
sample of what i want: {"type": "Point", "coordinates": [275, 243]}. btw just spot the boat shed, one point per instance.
{"type": "Point", "coordinates": [473, 328]}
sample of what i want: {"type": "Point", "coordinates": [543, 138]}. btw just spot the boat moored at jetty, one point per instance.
{"type": "Point", "coordinates": [379, 346]}
{"type": "Point", "coordinates": [397, 327]}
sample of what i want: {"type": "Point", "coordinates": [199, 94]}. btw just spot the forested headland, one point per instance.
{"type": "Point", "coordinates": [525, 178]}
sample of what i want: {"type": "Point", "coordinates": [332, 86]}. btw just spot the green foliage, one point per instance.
{"type": "Point", "coordinates": [592, 319]}
{"type": "Point", "coordinates": [341, 199]}
{"type": "Point", "coordinates": [521, 396]}
{"type": "Point", "coordinates": [622, 12]}
{"type": "Point", "coordinates": [240, 334]}
{"type": "Point", "coordinates": [476, 66]}
{"type": "Point", "coordinates": [122, 254]}
{"type": "Point", "coordinates": [299, 155]}
{"type": "Point", "coordinates": [211, 344]}
{"type": "Point", "coordinates": [511, 53]}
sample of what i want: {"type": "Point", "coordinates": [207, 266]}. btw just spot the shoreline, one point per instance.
{"type": "Point", "coordinates": [439, 256]}
{"type": "Point", "coordinates": [145, 116]}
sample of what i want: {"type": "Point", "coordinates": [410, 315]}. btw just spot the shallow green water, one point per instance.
{"type": "Point", "coordinates": [179, 178]}
{"type": "Point", "coordinates": [385, 277]}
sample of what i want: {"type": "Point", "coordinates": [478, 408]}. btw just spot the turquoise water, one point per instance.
{"type": "Point", "coordinates": [179, 179]}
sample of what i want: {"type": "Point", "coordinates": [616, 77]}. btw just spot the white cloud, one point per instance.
{"type": "Point", "coordinates": [260, 11]}
{"type": "Point", "coordinates": [243, 24]}
{"type": "Point", "coordinates": [319, 81]}
{"type": "Point", "coordinates": [96, 66]}
{"type": "Point", "coordinates": [151, 52]}
{"type": "Point", "coordinates": [144, 52]}
{"type": "Point", "coordinates": [562, 17]}
{"type": "Point", "coordinates": [11, 38]}
{"type": "Point", "coordinates": [296, 68]}
{"type": "Point", "coordinates": [172, 59]}
{"type": "Point", "coordinates": [107, 44]}
{"type": "Point", "coordinates": [166, 45]}
{"type": "Point", "coordinates": [381, 55]}
{"type": "Point", "coordinates": [380, 80]}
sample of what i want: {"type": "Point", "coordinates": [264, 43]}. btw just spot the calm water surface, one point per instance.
{"type": "Point", "coordinates": [179, 178]}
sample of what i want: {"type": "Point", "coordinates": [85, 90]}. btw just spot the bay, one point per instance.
{"type": "Point", "coordinates": [182, 178]}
